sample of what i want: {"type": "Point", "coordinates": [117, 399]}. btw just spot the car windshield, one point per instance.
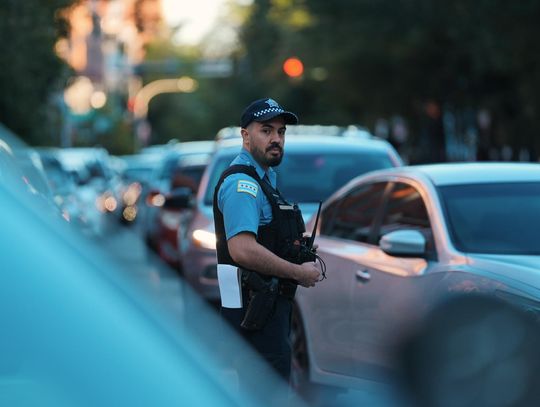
{"type": "Point", "coordinates": [494, 218]}
{"type": "Point", "coordinates": [305, 177]}
{"type": "Point", "coordinates": [174, 161]}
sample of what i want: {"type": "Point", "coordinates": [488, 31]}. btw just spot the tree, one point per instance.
{"type": "Point", "coordinates": [416, 58]}
{"type": "Point", "coordinates": [31, 72]}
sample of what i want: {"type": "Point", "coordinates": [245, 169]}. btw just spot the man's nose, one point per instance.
{"type": "Point", "coordinates": [275, 137]}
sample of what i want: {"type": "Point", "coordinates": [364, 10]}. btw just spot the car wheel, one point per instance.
{"type": "Point", "coordinates": [314, 394]}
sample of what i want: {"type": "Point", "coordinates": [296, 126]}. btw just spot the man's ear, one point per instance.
{"type": "Point", "coordinates": [245, 136]}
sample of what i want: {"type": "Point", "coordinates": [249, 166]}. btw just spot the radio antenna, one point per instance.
{"type": "Point", "coordinates": [312, 237]}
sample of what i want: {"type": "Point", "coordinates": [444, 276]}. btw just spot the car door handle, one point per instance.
{"type": "Point", "coordinates": [363, 276]}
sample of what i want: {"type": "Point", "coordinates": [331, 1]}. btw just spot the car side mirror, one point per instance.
{"type": "Point", "coordinates": [403, 243]}
{"type": "Point", "coordinates": [179, 198]}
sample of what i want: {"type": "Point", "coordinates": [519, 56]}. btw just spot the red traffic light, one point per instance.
{"type": "Point", "coordinates": [293, 67]}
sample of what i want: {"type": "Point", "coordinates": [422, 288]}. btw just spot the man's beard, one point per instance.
{"type": "Point", "coordinates": [263, 159]}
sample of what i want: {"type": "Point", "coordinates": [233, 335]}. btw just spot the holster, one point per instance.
{"type": "Point", "coordinates": [287, 289]}
{"type": "Point", "coordinates": [262, 300]}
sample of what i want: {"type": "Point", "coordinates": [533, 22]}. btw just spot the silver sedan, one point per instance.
{"type": "Point", "coordinates": [400, 241]}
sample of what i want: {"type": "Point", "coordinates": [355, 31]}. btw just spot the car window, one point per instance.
{"type": "Point", "coordinates": [352, 216]}
{"type": "Point", "coordinates": [405, 209]}
{"type": "Point", "coordinates": [493, 218]}
{"type": "Point", "coordinates": [188, 176]}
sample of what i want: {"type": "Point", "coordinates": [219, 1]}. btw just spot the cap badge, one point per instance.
{"type": "Point", "coordinates": [272, 103]}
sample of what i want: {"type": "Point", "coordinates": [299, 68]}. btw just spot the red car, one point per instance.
{"type": "Point", "coordinates": [184, 186]}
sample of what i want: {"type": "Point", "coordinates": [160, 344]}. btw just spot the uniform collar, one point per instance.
{"type": "Point", "coordinates": [246, 158]}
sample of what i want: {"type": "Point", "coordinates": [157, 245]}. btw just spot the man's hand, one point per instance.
{"type": "Point", "coordinates": [309, 274]}
{"type": "Point", "coordinates": [245, 250]}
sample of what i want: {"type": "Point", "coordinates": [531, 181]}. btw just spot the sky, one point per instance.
{"type": "Point", "coordinates": [196, 16]}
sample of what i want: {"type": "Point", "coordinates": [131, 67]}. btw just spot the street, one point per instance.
{"type": "Point", "coordinates": [124, 243]}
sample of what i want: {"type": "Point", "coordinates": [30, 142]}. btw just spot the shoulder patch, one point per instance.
{"type": "Point", "coordinates": [248, 187]}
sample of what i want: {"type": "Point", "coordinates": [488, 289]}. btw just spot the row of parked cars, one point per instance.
{"type": "Point", "coordinates": [398, 242]}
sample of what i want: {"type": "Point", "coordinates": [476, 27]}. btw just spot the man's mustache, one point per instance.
{"type": "Point", "coordinates": [274, 145]}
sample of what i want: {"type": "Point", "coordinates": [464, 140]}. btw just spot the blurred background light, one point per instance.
{"type": "Point", "coordinates": [98, 99]}
{"type": "Point", "coordinates": [293, 67]}
{"type": "Point", "coordinates": [77, 96]}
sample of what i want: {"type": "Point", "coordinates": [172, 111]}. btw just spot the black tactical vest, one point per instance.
{"type": "Point", "coordinates": [279, 236]}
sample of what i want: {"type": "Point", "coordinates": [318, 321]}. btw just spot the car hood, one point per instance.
{"type": "Point", "coordinates": [522, 268]}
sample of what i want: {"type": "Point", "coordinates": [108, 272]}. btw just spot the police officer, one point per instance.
{"type": "Point", "coordinates": [256, 231]}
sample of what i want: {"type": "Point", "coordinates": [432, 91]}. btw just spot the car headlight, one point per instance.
{"type": "Point", "coordinates": [204, 239]}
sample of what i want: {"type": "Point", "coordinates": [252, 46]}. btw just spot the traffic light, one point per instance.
{"type": "Point", "coordinates": [293, 67]}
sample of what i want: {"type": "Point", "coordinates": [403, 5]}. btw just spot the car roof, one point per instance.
{"type": "Point", "coordinates": [317, 143]}
{"type": "Point", "coordinates": [470, 173]}
{"type": "Point", "coordinates": [304, 129]}
{"type": "Point", "coordinates": [197, 146]}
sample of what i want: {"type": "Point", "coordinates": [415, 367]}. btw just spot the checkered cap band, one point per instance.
{"type": "Point", "coordinates": [269, 110]}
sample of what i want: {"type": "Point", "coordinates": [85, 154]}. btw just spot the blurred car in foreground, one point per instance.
{"type": "Point", "coordinates": [396, 243]}
{"type": "Point", "coordinates": [472, 350]}
{"type": "Point", "coordinates": [22, 167]}
{"type": "Point", "coordinates": [78, 329]}
{"type": "Point", "coordinates": [313, 167]}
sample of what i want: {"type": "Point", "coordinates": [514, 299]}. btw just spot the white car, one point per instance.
{"type": "Point", "coordinates": [399, 242]}
{"type": "Point", "coordinates": [313, 167]}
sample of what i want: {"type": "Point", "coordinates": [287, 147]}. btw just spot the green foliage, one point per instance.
{"type": "Point", "coordinates": [189, 116]}
{"type": "Point", "coordinates": [31, 71]}
{"type": "Point", "coordinates": [194, 116]}
{"type": "Point", "coordinates": [395, 57]}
